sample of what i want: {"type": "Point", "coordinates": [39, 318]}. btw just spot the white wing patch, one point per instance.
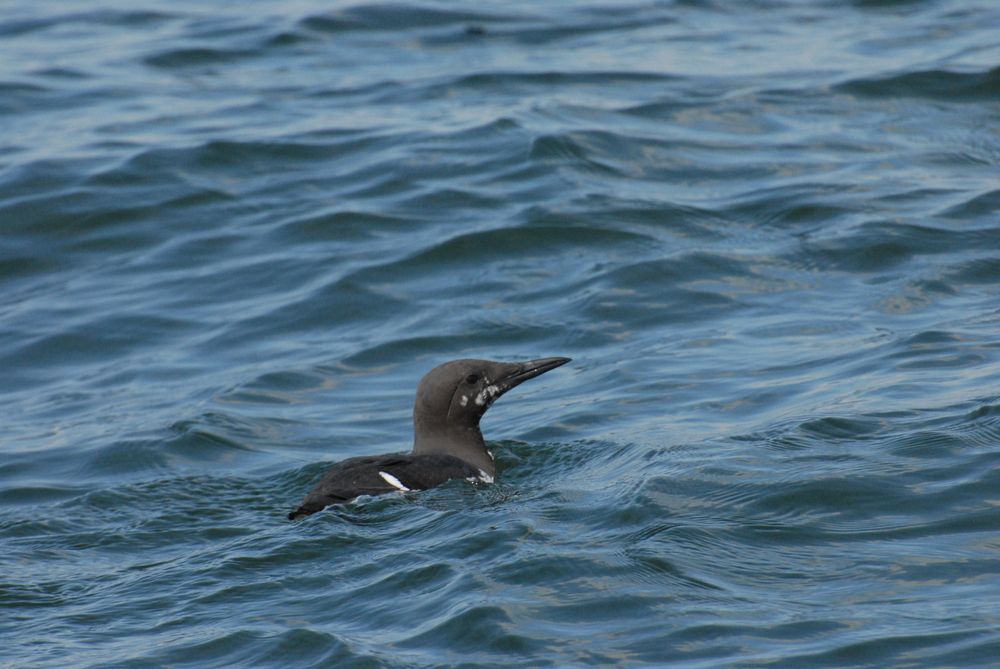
{"type": "Point", "coordinates": [464, 400]}
{"type": "Point", "coordinates": [393, 481]}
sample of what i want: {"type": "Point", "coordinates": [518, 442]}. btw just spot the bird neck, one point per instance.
{"type": "Point", "coordinates": [466, 444]}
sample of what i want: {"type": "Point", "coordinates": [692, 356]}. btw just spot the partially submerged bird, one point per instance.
{"type": "Point", "coordinates": [447, 442]}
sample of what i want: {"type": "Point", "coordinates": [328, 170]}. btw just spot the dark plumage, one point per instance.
{"type": "Point", "coordinates": [447, 442]}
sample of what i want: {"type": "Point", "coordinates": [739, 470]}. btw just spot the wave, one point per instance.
{"type": "Point", "coordinates": [935, 84]}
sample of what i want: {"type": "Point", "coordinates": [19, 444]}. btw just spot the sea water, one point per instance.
{"type": "Point", "coordinates": [233, 238]}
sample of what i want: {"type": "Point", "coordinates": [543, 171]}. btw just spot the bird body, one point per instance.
{"type": "Point", "coordinates": [447, 442]}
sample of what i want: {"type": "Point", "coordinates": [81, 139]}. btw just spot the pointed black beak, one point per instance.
{"type": "Point", "coordinates": [519, 372]}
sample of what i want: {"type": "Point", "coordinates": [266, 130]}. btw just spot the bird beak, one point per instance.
{"type": "Point", "coordinates": [516, 373]}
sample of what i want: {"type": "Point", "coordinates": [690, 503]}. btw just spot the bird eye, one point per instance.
{"type": "Point", "coordinates": [471, 378]}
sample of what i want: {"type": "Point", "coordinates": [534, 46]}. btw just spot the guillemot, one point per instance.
{"type": "Point", "coordinates": [447, 442]}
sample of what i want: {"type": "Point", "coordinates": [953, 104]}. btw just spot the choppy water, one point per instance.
{"type": "Point", "coordinates": [768, 233]}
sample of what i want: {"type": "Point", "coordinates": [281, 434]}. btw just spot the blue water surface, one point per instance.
{"type": "Point", "coordinates": [233, 236]}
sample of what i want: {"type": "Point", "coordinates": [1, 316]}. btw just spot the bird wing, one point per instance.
{"type": "Point", "coordinates": [377, 475]}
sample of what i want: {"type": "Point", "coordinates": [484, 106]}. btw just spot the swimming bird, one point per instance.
{"type": "Point", "coordinates": [447, 442]}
